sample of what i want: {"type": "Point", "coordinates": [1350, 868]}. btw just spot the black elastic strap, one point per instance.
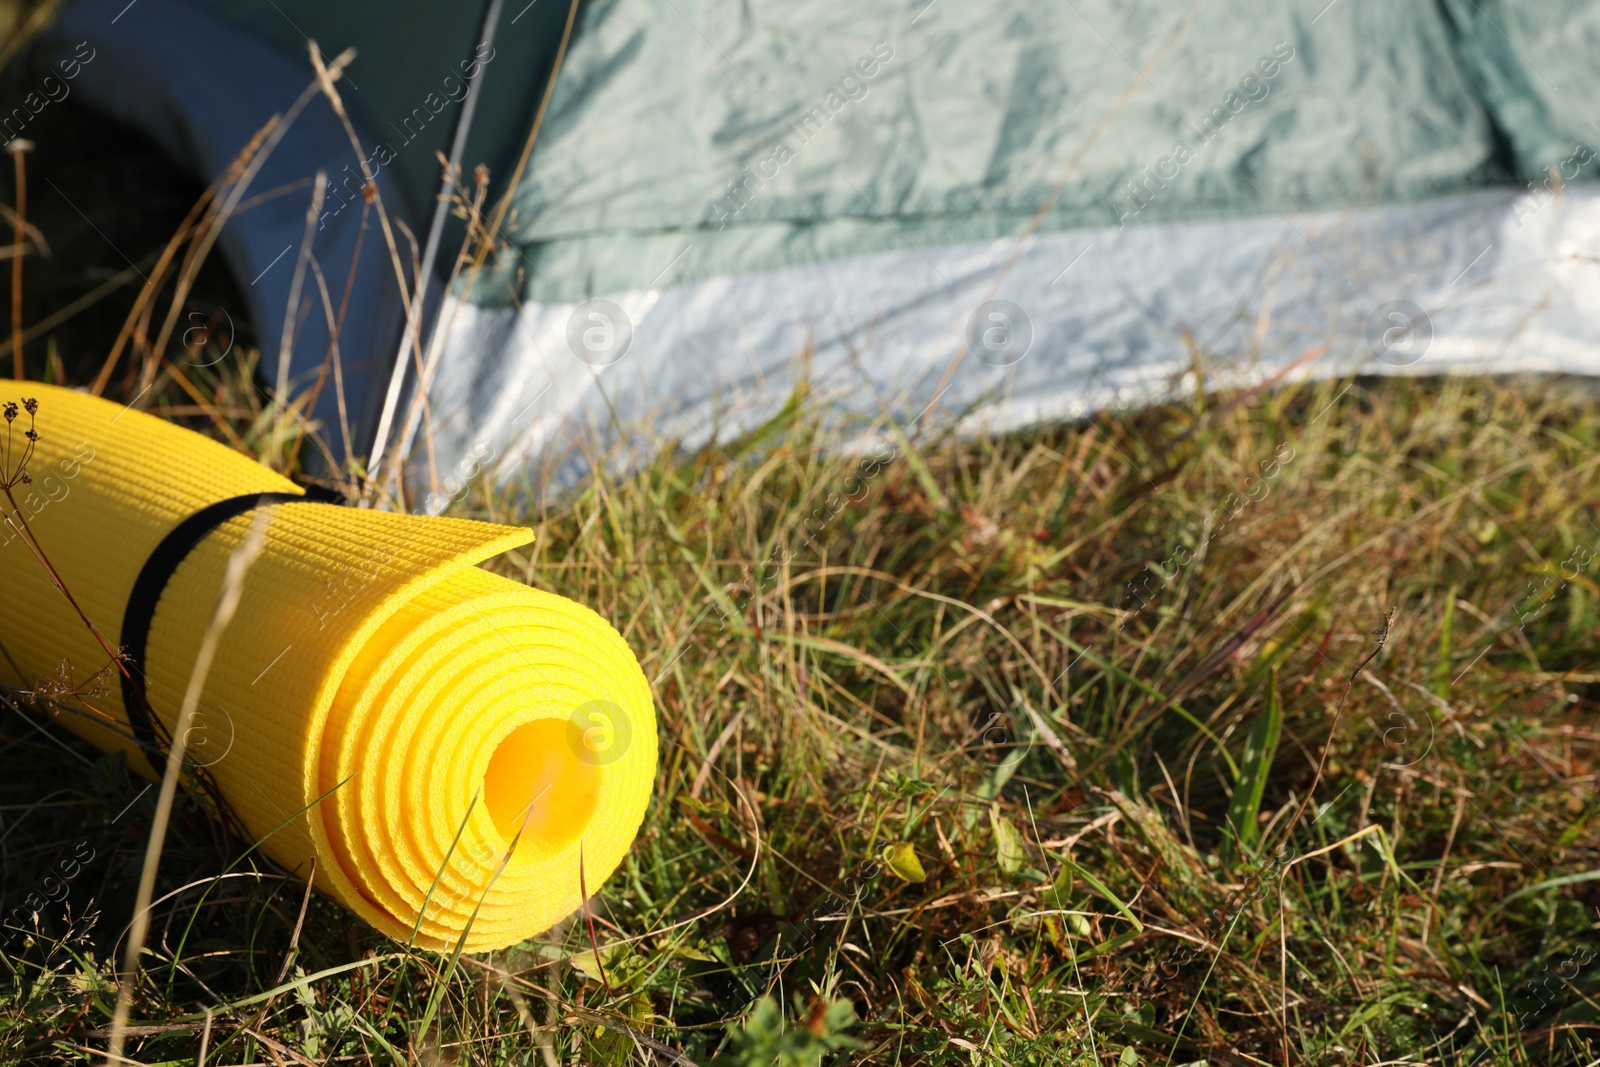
{"type": "Point", "coordinates": [152, 581]}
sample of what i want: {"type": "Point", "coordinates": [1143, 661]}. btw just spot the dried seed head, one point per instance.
{"type": "Point", "coordinates": [10, 411]}
{"type": "Point", "coordinates": [30, 405]}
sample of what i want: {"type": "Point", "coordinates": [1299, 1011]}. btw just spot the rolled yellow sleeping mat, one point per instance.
{"type": "Point", "coordinates": [444, 750]}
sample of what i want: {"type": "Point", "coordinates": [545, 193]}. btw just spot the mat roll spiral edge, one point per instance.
{"type": "Point", "coordinates": [379, 705]}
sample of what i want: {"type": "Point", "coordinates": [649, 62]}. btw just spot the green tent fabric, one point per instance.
{"type": "Point", "coordinates": [802, 132]}
{"type": "Point", "coordinates": [1533, 67]}
{"type": "Point", "coordinates": [775, 136]}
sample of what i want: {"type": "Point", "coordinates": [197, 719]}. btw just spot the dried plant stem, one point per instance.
{"type": "Point", "coordinates": [14, 472]}
{"type": "Point", "coordinates": [18, 148]}
{"type": "Point", "coordinates": [332, 361]}
{"type": "Point", "coordinates": [205, 1040]}
{"type": "Point", "coordinates": [588, 917]}
{"type": "Point", "coordinates": [157, 276]}
{"type": "Point", "coordinates": [419, 408]}
{"type": "Point", "coordinates": [1381, 635]}
{"type": "Point", "coordinates": [204, 224]}
{"type": "Point", "coordinates": [411, 295]}
{"type": "Point", "coordinates": [16, 518]}
{"type": "Point", "coordinates": [38, 19]}
{"type": "Point", "coordinates": [67, 311]}
{"type": "Point", "coordinates": [394, 452]}
{"type": "Point", "coordinates": [239, 564]}
{"type": "Point", "coordinates": [292, 311]}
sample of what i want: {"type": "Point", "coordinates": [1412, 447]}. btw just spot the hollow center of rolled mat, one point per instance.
{"type": "Point", "coordinates": [536, 784]}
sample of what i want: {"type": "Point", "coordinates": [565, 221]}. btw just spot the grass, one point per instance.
{"type": "Point", "coordinates": [982, 752]}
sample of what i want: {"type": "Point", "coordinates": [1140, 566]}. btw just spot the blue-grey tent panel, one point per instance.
{"type": "Point", "coordinates": [203, 77]}
{"type": "Point", "coordinates": [203, 90]}
{"type": "Point", "coordinates": [408, 80]}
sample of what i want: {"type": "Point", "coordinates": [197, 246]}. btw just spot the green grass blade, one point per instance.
{"type": "Point", "coordinates": [1259, 751]}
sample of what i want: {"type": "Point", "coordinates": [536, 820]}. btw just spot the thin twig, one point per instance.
{"type": "Point", "coordinates": [158, 272]}
{"type": "Point", "coordinates": [420, 407]}
{"type": "Point", "coordinates": [205, 1039]}
{"type": "Point", "coordinates": [385, 422]}
{"type": "Point", "coordinates": [12, 475]}
{"type": "Point", "coordinates": [333, 360]}
{"type": "Point", "coordinates": [291, 312]}
{"type": "Point", "coordinates": [19, 147]}
{"type": "Point", "coordinates": [1382, 635]}
{"type": "Point", "coordinates": [239, 563]}
{"type": "Point", "coordinates": [67, 311]}
{"type": "Point", "coordinates": [410, 294]}
{"type": "Point", "coordinates": [588, 917]}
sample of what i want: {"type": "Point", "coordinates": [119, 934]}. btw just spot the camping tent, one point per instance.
{"type": "Point", "coordinates": [1007, 211]}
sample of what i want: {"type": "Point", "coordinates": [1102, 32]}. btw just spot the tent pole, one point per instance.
{"type": "Point", "coordinates": [430, 249]}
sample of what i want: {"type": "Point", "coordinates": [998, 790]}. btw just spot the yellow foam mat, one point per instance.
{"type": "Point", "coordinates": [379, 704]}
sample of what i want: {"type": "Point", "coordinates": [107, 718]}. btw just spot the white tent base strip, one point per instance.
{"type": "Point", "coordinates": [1483, 283]}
